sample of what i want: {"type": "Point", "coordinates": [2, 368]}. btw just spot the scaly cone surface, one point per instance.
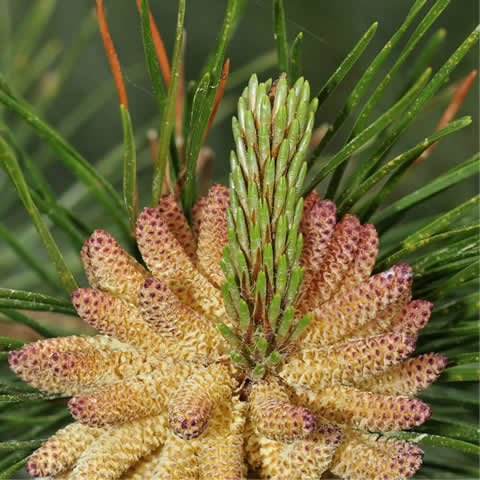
{"type": "Point", "coordinates": [258, 340]}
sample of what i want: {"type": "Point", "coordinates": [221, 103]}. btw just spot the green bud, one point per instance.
{"type": "Point", "coordinates": [301, 179]}
{"type": "Point", "coordinates": [294, 285]}
{"type": "Point", "coordinates": [293, 137]}
{"type": "Point", "coordinates": [262, 261]}
{"type": "Point", "coordinates": [269, 181]}
{"type": "Point", "coordinates": [286, 322]}
{"type": "Point", "coordinates": [232, 237]}
{"type": "Point", "coordinates": [259, 370]}
{"type": "Point", "coordinates": [240, 145]}
{"type": "Point", "coordinates": [264, 221]}
{"type": "Point", "coordinates": [227, 299]}
{"type": "Point", "coordinates": [291, 107]}
{"type": "Point", "coordinates": [305, 94]}
{"type": "Point", "coordinates": [230, 220]}
{"type": "Point", "coordinates": [302, 115]}
{"type": "Point", "coordinates": [298, 213]}
{"type": "Point", "coordinates": [242, 231]}
{"type": "Point", "coordinates": [301, 326]}
{"type": "Point", "coordinates": [264, 144]}
{"type": "Point", "coordinates": [261, 93]}
{"type": "Point", "coordinates": [274, 310]}
{"type": "Point", "coordinates": [243, 271]}
{"type": "Point", "coordinates": [308, 128]}
{"type": "Point", "coordinates": [282, 275]}
{"type": "Point", "coordinates": [268, 261]}
{"type": "Point", "coordinates": [298, 251]}
{"type": "Point", "coordinates": [279, 129]}
{"type": "Point", "coordinates": [268, 85]}
{"type": "Point", "coordinates": [253, 173]}
{"type": "Point", "coordinates": [290, 204]}
{"type": "Point", "coordinates": [253, 198]}
{"type": "Point", "coordinates": [250, 129]}
{"type": "Point", "coordinates": [297, 87]}
{"type": "Point", "coordinates": [227, 262]}
{"type": "Point", "coordinates": [280, 236]}
{"type": "Point", "coordinates": [280, 97]}
{"type": "Point", "coordinates": [273, 358]}
{"type": "Point", "coordinates": [307, 137]}
{"type": "Point", "coordinates": [239, 359]}
{"type": "Point", "coordinates": [224, 267]}
{"type": "Point", "coordinates": [282, 159]}
{"type": "Point", "coordinates": [280, 196]}
{"type": "Point", "coordinates": [252, 92]}
{"type": "Point", "coordinates": [241, 111]}
{"type": "Point", "coordinates": [261, 345]}
{"type": "Point", "coordinates": [233, 161]}
{"type": "Point", "coordinates": [244, 316]}
{"type": "Point", "coordinates": [234, 203]}
{"type": "Point", "coordinates": [261, 287]}
{"type": "Point", "coordinates": [233, 291]}
{"type": "Point", "coordinates": [229, 335]}
{"type": "Point", "coordinates": [255, 241]}
{"type": "Point", "coordinates": [294, 169]}
{"type": "Point", "coordinates": [236, 129]}
{"type": "Point", "coordinates": [265, 112]}
{"type": "Point", "coordinates": [240, 188]}
{"type": "Point", "coordinates": [291, 245]}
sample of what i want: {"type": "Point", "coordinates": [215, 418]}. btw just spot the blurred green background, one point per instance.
{"type": "Point", "coordinates": [330, 31]}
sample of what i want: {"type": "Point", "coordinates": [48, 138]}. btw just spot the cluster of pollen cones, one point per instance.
{"type": "Point", "coordinates": [155, 395]}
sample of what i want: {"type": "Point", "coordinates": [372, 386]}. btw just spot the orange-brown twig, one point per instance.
{"type": "Point", "coordinates": [112, 55]}
{"type": "Point", "coordinates": [159, 46]}
{"type": "Point", "coordinates": [451, 111]}
{"type": "Point", "coordinates": [218, 96]}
